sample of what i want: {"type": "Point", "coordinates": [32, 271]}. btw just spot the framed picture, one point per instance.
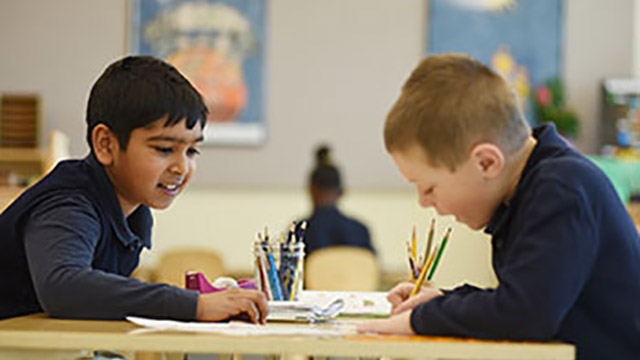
{"type": "Point", "coordinates": [219, 46]}
{"type": "Point", "coordinates": [520, 39]}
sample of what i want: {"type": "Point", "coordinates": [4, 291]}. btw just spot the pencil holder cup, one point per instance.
{"type": "Point", "coordinates": [279, 269]}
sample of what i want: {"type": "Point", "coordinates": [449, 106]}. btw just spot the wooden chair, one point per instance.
{"type": "Point", "coordinates": [174, 264]}
{"type": "Point", "coordinates": [342, 268]}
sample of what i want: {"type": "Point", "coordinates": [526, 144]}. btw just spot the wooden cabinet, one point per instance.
{"type": "Point", "coordinates": [23, 162]}
{"type": "Point", "coordinates": [18, 166]}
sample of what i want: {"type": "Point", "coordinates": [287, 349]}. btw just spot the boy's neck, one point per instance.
{"type": "Point", "coordinates": [516, 166]}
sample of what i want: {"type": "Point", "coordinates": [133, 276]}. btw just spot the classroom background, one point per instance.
{"type": "Point", "coordinates": [332, 70]}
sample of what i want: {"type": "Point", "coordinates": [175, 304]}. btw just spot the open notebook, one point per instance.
{"type": "Point", "coordinates": [356, 303]}
{"type": "Point", "coordinates": [310, 303]}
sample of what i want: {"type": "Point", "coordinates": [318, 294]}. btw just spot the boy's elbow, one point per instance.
{"type": "Point", "coordinates": [58, 296]}
{"type": "Point", "coordinates": [55, 302]}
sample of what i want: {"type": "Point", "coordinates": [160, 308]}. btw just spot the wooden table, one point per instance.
{"type": "Point", "coordinates": [37, 336]}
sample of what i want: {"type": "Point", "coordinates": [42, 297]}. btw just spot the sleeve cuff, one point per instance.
{"type": "Point", "coordinates": [416, 319]}
{"type": "Point", "coordinates": [181, 304]}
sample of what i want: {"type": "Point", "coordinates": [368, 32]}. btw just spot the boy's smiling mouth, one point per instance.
{"type": "Point", "coordinates": [171, 188]}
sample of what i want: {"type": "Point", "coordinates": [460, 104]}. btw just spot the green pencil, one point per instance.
{"type": "Point", "coordinates": [439, 254]}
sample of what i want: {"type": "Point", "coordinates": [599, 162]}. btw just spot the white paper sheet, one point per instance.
{"type": "Point", "coordinates": [360, 303]}
{"type": "Point", "coordinates": [244, 329]}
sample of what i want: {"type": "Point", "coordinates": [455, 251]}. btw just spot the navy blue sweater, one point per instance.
{"type": "Point", "coordinates": [327, 227]}
{"type": "Point", "coordinates": [66, 248]}
{"type": "Point", "coordinates": [567, 257]}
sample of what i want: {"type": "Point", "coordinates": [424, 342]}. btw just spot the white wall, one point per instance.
{"type": "Point", "coordinates": [636, 39]}
{"type": "Point", "coordinates": [333, 69]}
{"type": "Point", "coordinates": [227, 220]}
{"type": "Point", "coordinates": [598, 44]}
{"type": "Point", "coordinates": [58, 49]}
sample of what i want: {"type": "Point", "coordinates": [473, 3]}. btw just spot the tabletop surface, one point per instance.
{"type": "Point", "coordinates": [38, 332]}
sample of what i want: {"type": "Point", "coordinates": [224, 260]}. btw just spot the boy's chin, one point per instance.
{"type": "Point", "coordinates": [471, 225]}
{"type": "Point", "coordinates": [475, 226]}
{"type": "Point", "coordinates": [160, 205]}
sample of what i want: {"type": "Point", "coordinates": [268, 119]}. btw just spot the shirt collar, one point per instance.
{"type": "Point", "coordinates": [549, 143]}
{"type": "Point", "coordinates": [132, 231]}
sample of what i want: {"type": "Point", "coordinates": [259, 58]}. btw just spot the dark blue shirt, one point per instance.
{"type": "Point", "coordinates": [327, 226]}
{"type": "Point", "coordinates": [567, 257]}
{"type": "Point", "coordinates": [67, 249]}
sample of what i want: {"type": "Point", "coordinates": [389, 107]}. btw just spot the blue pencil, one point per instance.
{"type": "Point", "coordinates": [273, 278]}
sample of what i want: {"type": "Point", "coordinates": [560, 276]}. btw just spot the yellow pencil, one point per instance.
{"type": "Point", "coordinates": [427, 250]}
{"type": "Point", "coordinates": [296, 280]}
{"type": "Point", "coordinates": [423, 273]}
{"type": "Point", "coordinates": [433, 259]}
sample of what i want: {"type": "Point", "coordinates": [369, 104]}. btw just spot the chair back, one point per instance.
{"type": "Point", "coordinates": [342, 268]}
{"type": "Point", "coordinates": [174, 264]}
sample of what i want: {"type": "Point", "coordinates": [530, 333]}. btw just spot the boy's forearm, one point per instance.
{"type": "Point", "coordinates": [93, 294]}
{"type": "Point", "coordinates": [59, 246]}
{"type": "Point", "coordinates": [398, 324]}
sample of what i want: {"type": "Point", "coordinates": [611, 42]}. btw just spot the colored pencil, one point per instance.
{"type": "Point", "coordinates": [427, 250]}
{"type": "Point", "coordinates": [443, 244]}
{"type": "Point", "coordinates": [423, 273]}
{"type": "Point", "coordinates": [413, 245]}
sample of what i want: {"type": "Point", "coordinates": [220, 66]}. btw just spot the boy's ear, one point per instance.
{"type": "Point", "coordinates": [489, 160]}
{"type": "Point", "coordinates": [105, 144]}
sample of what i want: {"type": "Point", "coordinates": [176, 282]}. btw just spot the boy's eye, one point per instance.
{"type": "Point", "coordinates": [191, 152]}
{"type": "Point", "coordinates": [163, 150]}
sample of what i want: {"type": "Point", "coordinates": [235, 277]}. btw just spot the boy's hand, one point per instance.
{"type": "Point", "coordinates": [222, 305]}
{"type": "Point", "coordinates": [399, 296]}
{"type": "Point", "coordinates": [398, 324]}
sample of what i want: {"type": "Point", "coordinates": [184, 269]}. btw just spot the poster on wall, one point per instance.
{"type": "Point", "coordinates": [520, 39]}
{"type": "Point", "coordinates": [219, 46]}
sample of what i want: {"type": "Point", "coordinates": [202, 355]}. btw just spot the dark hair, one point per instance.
{"type": "Point", "coordinates": [325, 175]}
{"type": "Point", "coordinates": [138, 90]}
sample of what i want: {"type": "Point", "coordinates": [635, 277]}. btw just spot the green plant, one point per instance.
{"type": "Point", "coordinates": [549, 106]}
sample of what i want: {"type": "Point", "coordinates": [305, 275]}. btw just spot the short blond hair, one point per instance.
{"type": "Point", "coordinates": [450, 103]}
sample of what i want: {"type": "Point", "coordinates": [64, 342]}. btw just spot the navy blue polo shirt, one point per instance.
{"type": "Point", "coordinates": [67, 249]}
{"type": "Point", "coordinates": [567, 257]}
{"type": "Point", "coordinates": [327, 226]}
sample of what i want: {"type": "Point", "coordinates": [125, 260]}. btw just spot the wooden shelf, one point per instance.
{"type": "Point", "coordinates": [20, 154]}
{"type": "Point", "coordinates": [25, 162]}
{"type": "Point", "coordinates": [8, 194]}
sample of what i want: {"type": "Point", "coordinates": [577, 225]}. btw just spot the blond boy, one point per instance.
{"type": "Point", "coordinates": [565, 251]}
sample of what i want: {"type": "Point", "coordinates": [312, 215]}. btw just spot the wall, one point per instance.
{"type": "Point", "coordinates": [636, 39]}
{"type": "Point", "coordinates": [58, 49]}
{"type": "Point", "coordinates": [598, 44]}
{"type": "Point", "coordinates": [333, 69]}
{"type": "Point", "coordinates": [228, 219]}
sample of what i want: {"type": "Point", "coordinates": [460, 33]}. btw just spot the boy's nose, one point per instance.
{"type": "Point", "coordinates": [180, 165]}
{"type": "Point", "coordinates": [425, 201]}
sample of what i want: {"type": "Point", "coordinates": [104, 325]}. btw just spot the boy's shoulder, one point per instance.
{"type": "Point", "coordinates": [569, 167]}
{"type": "Point", "coordinates": [564, 177]}
{"type": "Point", "coordinates": [70, 179]}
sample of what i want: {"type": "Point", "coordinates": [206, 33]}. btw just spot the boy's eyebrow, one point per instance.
{"type": "Point", "coordinates": [173, 139]}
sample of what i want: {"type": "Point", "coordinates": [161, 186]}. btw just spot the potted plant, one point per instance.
{"type": "Point", "coordinates": [549, 106]}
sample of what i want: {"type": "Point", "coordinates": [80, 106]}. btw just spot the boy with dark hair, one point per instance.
{"type": "Point", "coordinates": [565, 251]}
{"type": "Point", "coordinates": [71, 241]}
